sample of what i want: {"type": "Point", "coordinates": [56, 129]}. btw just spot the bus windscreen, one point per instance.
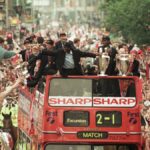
{"type": "Point", "coordinates": [95, 87]}
{"type": "Point", "coordinates": [90, 147]}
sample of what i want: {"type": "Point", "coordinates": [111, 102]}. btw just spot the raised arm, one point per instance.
{"type": "Point", "coordinates": [48, 52]}
{"type": "Point", "coordinates": [9, 89]}
{"type": "Point", "coordinates": [87, 54]}
{"type": "Point", "coordinates": [4, 54]}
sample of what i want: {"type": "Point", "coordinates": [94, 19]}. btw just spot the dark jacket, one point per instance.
{"type": "Point", "coordinates": [59, 45]}
{"type": "Point", "coordinates": [31, 65]}
{"type": "Point", "coordinates": [135, 70]}
{"type": "Point", "coordinates": [23, 54]}
{"type": "Point", "coordinates": [111, 69]}
{"type": "Point", "coordinates": [60, 58]}
{"type": "Point", "coordinates": [31, 82]}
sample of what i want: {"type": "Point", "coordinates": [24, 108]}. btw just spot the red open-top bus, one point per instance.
{"type": "Point", "coordinates": [81, 113]}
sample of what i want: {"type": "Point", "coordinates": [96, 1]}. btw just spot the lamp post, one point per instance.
{"type": "Point", "coordinates": [6, 4]}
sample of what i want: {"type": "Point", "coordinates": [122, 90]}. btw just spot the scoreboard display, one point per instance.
{"type": "Point", "coordinates": [76, 118]}
{"type": "Point", "coordinates": [102, 118]}
{"type": "Point", "coordinates": [108, 118]}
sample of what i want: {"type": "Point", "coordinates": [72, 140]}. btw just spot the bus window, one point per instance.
{"type": "Point", "coordinates": [90, 147]}
{"type": "Point", "coordinates": [106, 87]}
{"type": "Point", "coordinates": [71, 87]}
{"type": "Point", "coordinates": [127, 88]}
{"type": "Point", "coordinates": [114, 88]}
{"type": "Point", "coordinates": [68, 147]}
{"type": "Point", "coordinates": [115, 147]}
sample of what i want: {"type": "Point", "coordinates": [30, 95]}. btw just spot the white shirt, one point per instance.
{"type": "Point", "coordinates": [69, 62]}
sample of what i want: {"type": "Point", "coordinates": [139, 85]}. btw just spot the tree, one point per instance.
{"type": "Point", "coordinates": [131, 18]}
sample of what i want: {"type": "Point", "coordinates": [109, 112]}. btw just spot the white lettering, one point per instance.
{"type": "Point", "coordinates": [114, 101]}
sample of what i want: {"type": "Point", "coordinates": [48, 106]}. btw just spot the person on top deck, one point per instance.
{"type": "Point", "coordinates": [68, 59]}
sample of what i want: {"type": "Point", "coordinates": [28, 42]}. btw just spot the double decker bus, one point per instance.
{"type": "Point", "coordinates": [81, 113]}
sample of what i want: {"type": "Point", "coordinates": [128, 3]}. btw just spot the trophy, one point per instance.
{"type": "Point", "coordinates": [103, 63]}
{"type": "Point", "coordinates": [124, 63]}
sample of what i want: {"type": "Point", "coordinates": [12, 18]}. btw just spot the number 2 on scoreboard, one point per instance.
{"type": "Point", "coordinates": [108, 118]}
{"type": "Point", "coordinates": [99, 120]}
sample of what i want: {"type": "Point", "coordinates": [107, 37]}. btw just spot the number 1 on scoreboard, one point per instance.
{"type": "Point", "coordinates": [113, 118]}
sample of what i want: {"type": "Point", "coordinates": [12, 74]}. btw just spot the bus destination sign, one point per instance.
{"type": "Point", "coordinates": [76, 118]}
{"type": "Point", "coordinates": [92, 135]}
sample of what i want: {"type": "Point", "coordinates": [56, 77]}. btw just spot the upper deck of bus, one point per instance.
{"type": "Point", "coordinates": [76, 109]}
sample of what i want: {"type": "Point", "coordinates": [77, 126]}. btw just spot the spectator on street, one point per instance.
{"type": "Point", "coordinates": [5, 54]}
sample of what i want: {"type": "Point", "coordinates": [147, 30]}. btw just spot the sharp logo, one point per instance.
{"type": "Point", "coordinates": [95, 102]}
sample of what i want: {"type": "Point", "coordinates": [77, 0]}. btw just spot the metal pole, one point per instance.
{"type": "Point", "coordinates": [17, 2]}
{"type": "Point", "coordinates": [32, 11]}
{"type": "Point", "coordinates": [54, 10]}
{"type": "Point", "coordinates": [6, 4]}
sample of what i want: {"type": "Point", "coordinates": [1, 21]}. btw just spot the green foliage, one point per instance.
{"type": "Point", "coordinates": [131, 17]}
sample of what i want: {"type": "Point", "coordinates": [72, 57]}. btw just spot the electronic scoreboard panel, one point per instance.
{"type": "Point", "coordinates": [76, 118]}
{"type": "Point", "coordinates": [103, 118]}
{"type": "Point", "coordinates": [108, 118]}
